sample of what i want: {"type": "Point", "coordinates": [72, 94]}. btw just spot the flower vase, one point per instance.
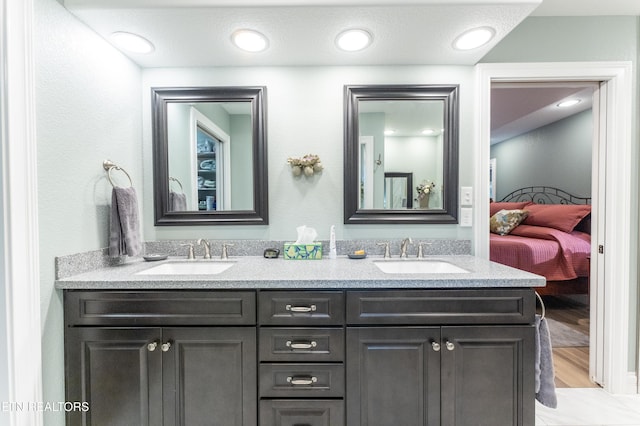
{"type": "Point", "coordinates": [424, 201]}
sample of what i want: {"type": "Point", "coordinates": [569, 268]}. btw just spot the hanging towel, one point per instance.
{"type": "Point", "coordinates": [177, 202]}
{"type": "Point", "coordinates": [124, 234]}
{"type": "Point", "coordinates": [544, 373]}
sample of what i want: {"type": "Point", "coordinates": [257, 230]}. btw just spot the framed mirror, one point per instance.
{"type": "Point", "coordinates": [405, 130]}
{"type": "Point", "coordinates": [209, 155]}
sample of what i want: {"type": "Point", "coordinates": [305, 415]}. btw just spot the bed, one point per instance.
{"type": "Point", "coordinates": [546, 231]}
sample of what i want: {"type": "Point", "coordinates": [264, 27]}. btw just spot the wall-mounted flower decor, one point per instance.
{"type": "Point", "coordinates": [309, 164]}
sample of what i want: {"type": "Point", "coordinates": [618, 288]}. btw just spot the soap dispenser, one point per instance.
{"type": "Point", "coordinates": [332, 243]}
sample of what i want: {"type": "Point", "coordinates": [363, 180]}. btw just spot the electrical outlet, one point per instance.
{"type": "Point", "coordinates": [466, 216]}
{"type": "Point", "coordinates": [466, 196]}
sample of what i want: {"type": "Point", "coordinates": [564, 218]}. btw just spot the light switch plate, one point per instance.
{"type": "Point", "coordinates": [466, 196]}
{"type": "Point", "coordinates": [466, 216]}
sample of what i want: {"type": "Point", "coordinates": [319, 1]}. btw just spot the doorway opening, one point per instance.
{"type": "Point", "coordinates": [611, 260]}
{"type": "Point", "coordinates": [543, 136]}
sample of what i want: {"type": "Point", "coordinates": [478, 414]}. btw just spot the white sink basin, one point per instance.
{"type": "Point", "coordinates": [188, 268]}
{"type": "Point", "coordinates": [407, 266]}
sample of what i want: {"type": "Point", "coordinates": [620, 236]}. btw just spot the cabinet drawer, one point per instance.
{"type": "Point", "coordinates": [301, 307]}
{"type": "Point", "coordinates": [301, 380]}
{"type": "Point", "coordinates": [139, 308]}
{"type": "Point", "coordinates": [301, 344]}
{"type": "Point", "coordinates": [490, 306]}
{"type": "Point", "coordinates": [301, 413]}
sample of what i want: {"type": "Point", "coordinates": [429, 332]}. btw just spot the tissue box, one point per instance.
{"type": "Point", "coordinates": [311, 251]}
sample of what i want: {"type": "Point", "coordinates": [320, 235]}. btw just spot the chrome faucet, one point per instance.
{"type": "Point", "coordinates": [207, 248]}
{"type": "Point", "coordinates": [403, 246]}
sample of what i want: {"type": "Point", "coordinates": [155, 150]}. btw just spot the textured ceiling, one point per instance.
{"type": "Point", "coordinates": [407, 32]}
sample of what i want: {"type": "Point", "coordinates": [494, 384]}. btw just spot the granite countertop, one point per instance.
{"type": "Point", "coordinates": [256, 272]}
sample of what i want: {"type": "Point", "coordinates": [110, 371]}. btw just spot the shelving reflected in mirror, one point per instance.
{"type": "Point", "coordinates": [210, 164]}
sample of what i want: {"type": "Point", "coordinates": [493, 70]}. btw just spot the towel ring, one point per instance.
{"type": "Point", "coordinates": [178, 182]}
{"type": "Point", "coordinates": [108, 165]}
{"type": "Point", "coordinates": [543, 313]}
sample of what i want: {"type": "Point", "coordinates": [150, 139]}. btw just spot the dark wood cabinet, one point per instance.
{"type": "Point", "coordinates": [405, 364]}
{"type": "Point", "coordinates": [393, 376]}
{"type": "Point", "coordinates": [161, 375]}
{"type": "Point", "coordinates": [290, 358]}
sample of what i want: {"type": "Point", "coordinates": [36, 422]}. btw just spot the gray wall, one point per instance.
{"type": "Point", "coordinates": [557, 155]}
{"type": "Point", "coordinates": [88, 109]}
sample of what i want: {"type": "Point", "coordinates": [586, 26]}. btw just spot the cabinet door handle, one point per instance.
{"type": "Point", "coordinates": [450, 346]}
{"type": "Point", "coordinates": [301, 345]}
{"type": "Point", "coordinates": [435, 346]}
{"type": "Point", "coordinates": [152, 346]}
{"type": "Point", "coordinates": [299, 309]}
{"type": "Point", "coordinates": [302, 380]}
{"type": "Point", "coordinates": [165, 346]}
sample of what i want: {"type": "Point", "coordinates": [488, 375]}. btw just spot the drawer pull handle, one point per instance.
{"type": "Point", "coordinates": [165, 346]}
{"type": "Point", "coordinates": [152, 346]}
{"type": "Point", "coordinates": [301, 345]}
{"type": "Point", "coordinates": [435, 346]}
{"type": "Point", "coordinates": [301, 309]}
{"type": "Point", "coordinates": [302, 380]}
{"type": "Point", "coordinates": [450, 346]}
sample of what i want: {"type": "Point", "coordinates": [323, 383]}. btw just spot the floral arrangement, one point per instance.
{"type": "Point", "coordinates": [424, 189]}
{"type": "Point", "coordinates": [309, 164]}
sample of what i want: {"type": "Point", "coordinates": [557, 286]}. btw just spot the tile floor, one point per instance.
{"type": "Point", "coordinates": [590, 407]}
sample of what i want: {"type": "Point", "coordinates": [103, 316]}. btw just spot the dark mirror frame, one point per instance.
{"type": "Point", "coordinates": [160, 97]}
{"type": "Point", "coordinates": [353, 94]}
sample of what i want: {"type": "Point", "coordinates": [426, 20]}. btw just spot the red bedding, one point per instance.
{"type": "Point", "coordinates": [554, 254]}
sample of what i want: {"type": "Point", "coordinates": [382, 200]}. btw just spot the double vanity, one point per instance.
{"type": "Point", "coordinates": [443, 340]}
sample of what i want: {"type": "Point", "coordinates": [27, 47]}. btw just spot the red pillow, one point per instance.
{"type": "Point", "coordinates": [502, 205]}
{"type": "Point", "coordinates": [563, 217]}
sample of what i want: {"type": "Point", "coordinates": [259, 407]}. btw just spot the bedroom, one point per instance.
{"type": "Point", "coordinates": [541, 152]}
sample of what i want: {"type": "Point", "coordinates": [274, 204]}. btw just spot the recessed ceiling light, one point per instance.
{"type": "Point", "coordinates": [428, 131]}
{"type": "Point", "coordinates": [132, 42]}
{"type": "Point", "coordinates": [354, 40]}
{"type": "Point", "coordinates": [568, 103]}
{"type": "Point", "coordinates": [250, 40]}
{"type": "Point", "coordinates": [389, 132]}
{"type": "Point", "coordinates": [474, 38]}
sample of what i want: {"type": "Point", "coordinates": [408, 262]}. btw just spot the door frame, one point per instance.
{"type": "Point", "coordinates": [614, 128]}
{"type": "Point", "coordinates": [21, 357]}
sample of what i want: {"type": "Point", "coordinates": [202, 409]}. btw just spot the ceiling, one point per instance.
{"type": "Point", "coordinates": [517, 108]}
{"type": "Point", "coordinates": [196, 33]}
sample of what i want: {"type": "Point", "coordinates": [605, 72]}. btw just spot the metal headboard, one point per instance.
{"type": "Point", "coordinates": [545, 195]}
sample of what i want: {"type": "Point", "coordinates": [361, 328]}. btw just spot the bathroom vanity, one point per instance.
{"type": "Point", "coordinates": [275, 342]}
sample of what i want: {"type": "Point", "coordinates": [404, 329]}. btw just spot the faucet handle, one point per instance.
{"type": "Point", "coordinates": [225, 254]}
{"type": "Point", "coordinates": [387, 250]}
{"type": "Point", "coordinates": [421, 250]}
{"type": "Point", "coordinates": [191, 255]}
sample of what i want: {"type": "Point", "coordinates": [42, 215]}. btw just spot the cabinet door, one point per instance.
{"type": "Point", "coordinates": [393, 376]}
{"type": "Point", "coordinates": [115, 371]}
{"type": "Point", "coordinates": [487, 376]}
{"type": "Point", "coordinates": [209, 376]}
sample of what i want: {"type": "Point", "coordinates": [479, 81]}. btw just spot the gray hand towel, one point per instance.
{"type": "Point", "coordinates": [124, 234]}
{"type": "Point", "coordinates": [177, 202]}
{"type": "Point", "coordinates": [544, 372]}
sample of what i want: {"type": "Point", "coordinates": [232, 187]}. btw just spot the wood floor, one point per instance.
{"type": "Point", "coordinates": [571, 364]}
